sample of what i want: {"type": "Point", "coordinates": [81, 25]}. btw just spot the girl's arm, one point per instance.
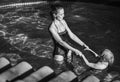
{"type": "Point", "coordinates": [98, 65]}
{"type": "Point", "coordinates": [77, 40]}
{"type": "Point", "coordinates": [58, 38]}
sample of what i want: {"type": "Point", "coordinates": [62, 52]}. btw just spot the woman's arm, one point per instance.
{"type": "Point", "coordinates": [69, 56]}
{"type": "Point", "coordinates": [74, 37]}
{"type": "Point", "coordinates": [69, 53]}
{"type": "Point", "coordinates": [98, 65]}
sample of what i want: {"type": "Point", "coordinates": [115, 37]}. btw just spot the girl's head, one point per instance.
{"type": "Point", "coordinates": [57, 12]}
{"type": "Point", "coordinates": [108, 56]}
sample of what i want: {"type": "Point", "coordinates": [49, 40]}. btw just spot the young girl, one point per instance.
{"type": "Point", "coordinates": [106, 59]}
{"type": "Point", "coordinates": [62, 35]}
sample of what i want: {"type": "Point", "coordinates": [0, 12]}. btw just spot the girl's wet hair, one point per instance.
{"type": "Point", "coordinates": [55, 7]}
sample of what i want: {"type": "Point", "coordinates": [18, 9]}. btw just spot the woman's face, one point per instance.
{"type": "Point", "coordinates": [60, 14]}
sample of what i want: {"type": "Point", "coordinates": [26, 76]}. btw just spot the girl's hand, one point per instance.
{"type": "Point", "coordinates": [87, 48]}
{"type": "Point", "coordinates": [77, 52]}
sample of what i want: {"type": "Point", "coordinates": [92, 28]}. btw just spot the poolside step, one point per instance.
{"type": "Point", "coordinates": [67, 76]}
{"type": "Point", "coordinates": [23, 72]}
{"type": "Point", "coordinates": [15, 71]}
{"type": "Point", "coordinates": [4, 64]}
{"type": "Point", "coordinates": [39, 74]}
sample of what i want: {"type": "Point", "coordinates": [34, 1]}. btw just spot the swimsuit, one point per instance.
{"type": "Point", "coordinates": [59, 49]}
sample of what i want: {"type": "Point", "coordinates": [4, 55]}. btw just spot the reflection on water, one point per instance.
{"type": "Point", "coordinates": [25, 29]}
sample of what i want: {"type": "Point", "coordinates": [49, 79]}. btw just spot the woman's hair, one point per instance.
{"type": "Point", "coordinates": [108, 56]}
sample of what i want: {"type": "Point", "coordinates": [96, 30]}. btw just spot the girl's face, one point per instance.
{"type": "Point", "coordinates": [107, 54]}
{"type": "Point", "coordinates": [60, 14]}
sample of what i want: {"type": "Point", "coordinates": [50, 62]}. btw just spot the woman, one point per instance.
{"type": "Point", "coordinates": [62, 35]}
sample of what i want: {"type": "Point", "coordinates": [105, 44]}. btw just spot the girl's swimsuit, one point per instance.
{"type": "Point", "coordinates": [60, 50]}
